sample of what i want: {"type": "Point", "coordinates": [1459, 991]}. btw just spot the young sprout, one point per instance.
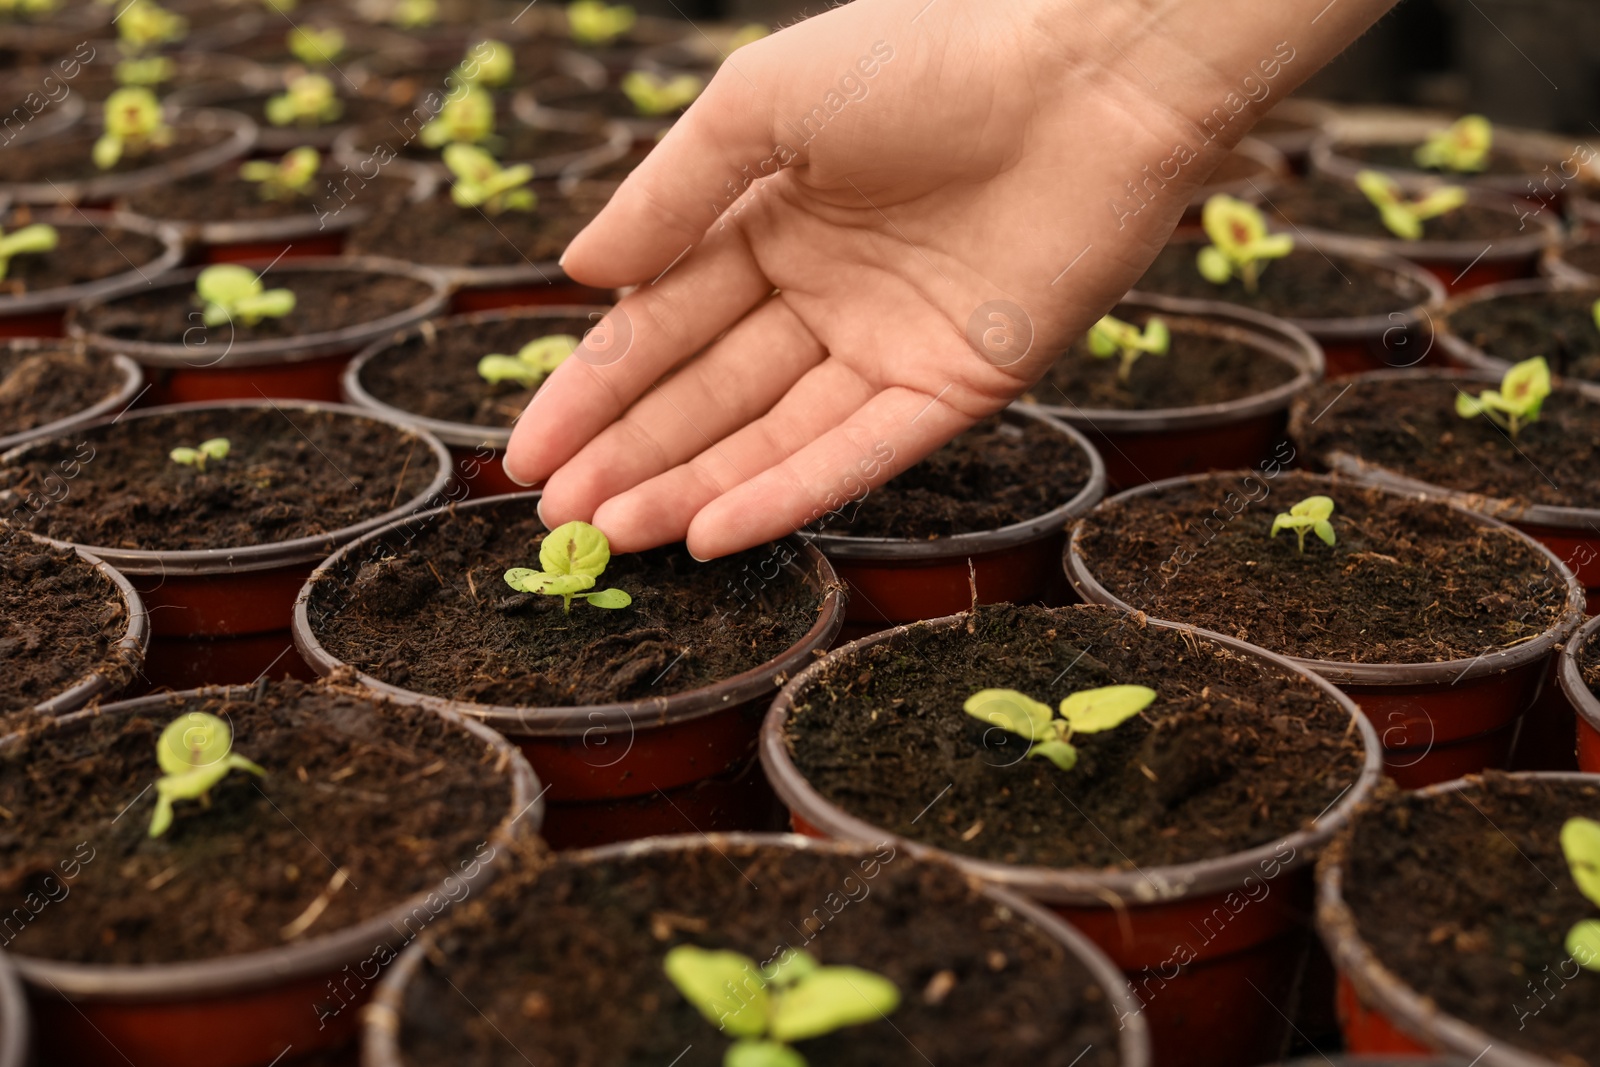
{"type": "Point", "coordinates": [1461, 147]}
{"type": "Point", "coordinates": [654, 95]}
{"type": "Point", "coordinates": [1111, 336]}
{"type": "Point", "coordinates": [143, 25]}
{"type": "Point", "coordinates": [573, 555]}
{"type": "Point", "coordinates": [414, 14]}
{"type": "Point", "coordinates": [530, 365]}
{"type": "Point", "coordinates": [1518, 400]}
{"type": "Point", "coordinates": [28, 7]}
{"type": "Point", "coordinates": [766, 1009]}
{"type": "Point", "coordinates": [196, 751]}
{"type": "Point", "coordinates": [216, 448]}
{"type": "Point", "coordinates": [1090, 711]}
{"type": "Point", "coordinates": [309, 100]}
{"type": "Point", "coordinates": [481, 182]}
{"type": "Point", "coordinates": [133, 126]}
{"type": "Point", "coordinates": [1308, 516]}
{"type": "Point", "coordinates": [1594, 313]}
{"type": "Point", "coordinates": [1240, 244]}
{"type": "Point", "coordinates": [1404, 218]}
{"type": "Point", "coordinates": [232, 293]}
{"type": "Point", "coordinates": [468, 119]}
{"type": "Point", "coordinates": [316, 47]}
{"type": "Point", "coordinates": [593, 22]}
{"type": "Point", "coordinates": [489, 63]}
{"type": "Point", "coordinates": [35, 238]}
{"type": "Point", "coordinates": [288, 178]}
{"type": "Point", "coordinates": [1580, 843]}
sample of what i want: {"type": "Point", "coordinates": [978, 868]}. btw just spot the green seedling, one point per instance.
{"type": "Point", "coordinates": [288, 178]}
{"type": "Point", "coordinates": [28, 7]}
{"type": "Point", "coordinates": [1240, 244]}
{"type": "Point", "coordinates": [593, 22]}
{"type": "Point", "coordinates": [488, 63]}
{"type": "Point", "coordinates": [1111, 337]}
{"type": "Point", "coordinates": [1516, 403]}
{"type": "Point", "coordinates": [143, 25]}
{"type": "Point", "coordinates": [217, 448]}
{"type": "Point", "coordinates": [1594, 313]}
{"type": "Point", "coordinates": [134, 126]}
{"type": "Point", "coordinates": [309, 100]}
{"type": "Point", "coordinates": [531, 364]}
{"type": "Point", "coordinates": [196, 751]}
{"type": "Point", "coordinates": [1311, 515]}
{"type": "Point", "coordinates": [481, 182]}
{"type": "Point", "coordinates": [1580, 843]}
{"type": "Point", "coordinates": [1462, 147]}
{"type": "Point", "coordinates": [766, 1012]}
{"type": "Point", "coordinates": [1090, 711]}
{"type": "Point", "coordinates": [231, 293]}
{"type": "Point", "coordinates": [414, 14]}
{"type": "Point", "coordinates": [654, 95]}
{"type": "Point", "coordinates": [573, 555]}
{"type": "Point", "coordinates": [29, 239]}
{"type": "Point", "coordinates": [468, 119]}
{"type": "Point", "coordinates": [282, 7]}
{"type": "Point", "coordinates": [148, 71]}
{"type": "Point", "coordinates": [1402, 217]}
{"type": "Point", "coordinates": [316, 47]}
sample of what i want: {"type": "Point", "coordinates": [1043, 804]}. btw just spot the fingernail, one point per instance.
{"type": "Point", "coordinates": [539, 510]}
{"type": "Point", "coordinates": [696, 558]}
{"type": "Point", "coordinates": [505, 465]}
{"type": "Point", "coordinates": [562, 262]}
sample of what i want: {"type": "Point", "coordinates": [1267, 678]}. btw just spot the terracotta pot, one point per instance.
{"type": "Point", "coordinates": [129, 389]}
{"type": "Point", "coordinates": [686, 761]}
{"type": "Point", "coordinates": [381, 1036]}
{"type": "Point", "coordinates": [1570, 678]}
{"type": "Point", "coordinates": [1291, 127]}
{"type": "Point", "coordinates": [303, 368]}
{"type": "Point", "coordinates": [1377, 1011]}
{"type": "Point", "coordinates": [237, 1011]}
{"type": "Point", "coordinates": [1141, 446]}
{"type": "Point", "coordinates": [1203, 1015]}
{"type": "Point", "coordinates": [16, 1028]}
{"type": "Point", "coordinates": [1438, 720]}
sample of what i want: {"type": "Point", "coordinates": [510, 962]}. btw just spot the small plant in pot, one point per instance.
{"type": "Point", "coordinates": [644, 101]}
{"type": "Point", "coordinates": [1579, 679]}
{"type": "Point", "coordinates": [1494, 327]}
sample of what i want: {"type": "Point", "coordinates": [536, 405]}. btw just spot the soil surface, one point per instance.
{"type": "Point", "coordinates": [438, 617]}
{"type": "Point", "coordinates": [357, 110]}
{"type": "Point", "coordinates": [61, 620]}
{"type": "Point", "coordinates": [1335, 207]}
{"type": "Point", "coordinates": [1303, 285]}
{"type": "Point", "coordinates": [222, 196]}
{"type": "Point", "coordinates": [395, 798]}
{"type": "Point", "coordinates": [1198, 369]}
{"type": "Point", "coordinates": [291, 474]}
{"type": "Point", "coordinates": [512, 142]}
{"type": "Point", "coordinates": [82, 254]}
{"type": "Point", "coordinates": [569, 970]}
{"type": "Point", "coordinates": [66, 157]}
{"type": "Point", "coordinates": [1001, 472]}
{"type": "Point", "coordinates": [1233, 753]}
{"type": "Point", "coordinates": [1467, 898]}
{"type": "Point", "coordinates": [438, 232]}
{"type": "Point", "coordinates": [1402, 157]}
{"type": "Point", "coordinates": [1559, 326]}
{"type": "Point", "coordinates": [611, 102]}
{"type": "Point", "coordinates": [1589, 665]}
{"type": "Point", "coordinates": [1411, 427]}
{"type": "Point", "coordinates": [42, 386]}
{"type": "Point", "coordinates": [1406, 582]}
{"type": "Point", "coordinates": [325, 301]}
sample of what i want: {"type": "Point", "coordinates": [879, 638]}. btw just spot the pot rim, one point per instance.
{"type": "Point", "coordinates": [1270, 157]}
{"type": "Point", "coordinates": [1570, 678]}
{"type": "Point", "coordinates": [131, 388]}
{"type": "Point", "coordinates": [530, 111]}
{"type": "Point", "coordinates": [844, 548]}
{"type": "Point", "coordinates": [226, 975]}
{"type": "Point", "coordinates": [221, 561]}
{"type": "Point", "coordinates": [282, 350]}
{"type": "Point", "coordinates": [64, 115]}
{"type": "Point", "coordinates": [381, 1030]}
{"type": "Point", "coordinates": [1417, 1016]}
{"type": "Point", "coordinates": [1143, 886]}
{"type": "Point", "coordinates": [15, 1022]}
{"type": "Point", "coordinates": [1450, 672]}
{"type": "Point", "coordinates": [1554, 263]}
{"type": "Point", "coordinates": [135, 642]}
{"type": "Point", "coordinates": [1314, 117]}
{"type": "Point", "coordinates": [348, 150]}
{"type": "Point", "coordinates": [1465, 352]}
{"type": "Point", "coordinates": [136, 277]}
{"type": "Point", "coordinates": [581, 720]}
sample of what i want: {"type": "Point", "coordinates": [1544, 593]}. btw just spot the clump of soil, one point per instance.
{"type": "Point", "coordinates": [1411, 427]}
{"type": "Point", "coordinates": [292, 473]}
{"type": "Point", "coordinates": [438, 232]}
{"type": "Point", "coordinates": [1466, 896]}
{"type": "Point", "coordinates": [396, 798]}
{"type": "Point", "coordinates": [568, 970]}
{"type": "Point", "coordinates": [1233, 754]}
{"type": "Point", "coordinates": [1320, 204]}
{"type": "Point", "coordinates": [1558, 325]}
{"type": "Point", "coordinates": [433, 614]}
{"type": "Point", "coordinates": [223, 196]}
{"type": "Point", "coordinates": [82, 254]}
{"type": "Point", "coordinates": [1001, 472]}
{"type": "Point", "coordinates": [1305, 284]}
{"type": "Point", "coordinates": [60, 620]}
{"type": "Point", "coordinates": [1403, 157]}
{"type": "Point", "coordinates": [1408, 581]}
{"type": "Point", "coordinates": [66, 156]}
{"type": "Point", "coordinates": [41, 386]}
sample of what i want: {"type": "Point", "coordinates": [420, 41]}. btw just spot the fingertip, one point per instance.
{"type": "Point", "coordinates": [515, 475]}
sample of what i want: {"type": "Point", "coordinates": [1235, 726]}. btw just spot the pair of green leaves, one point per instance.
{"type": "Point", "coordinates": [468, 119]}
{"type": "Point", "coordinates": [592, 22]}
{"type": "Point", "coordinates": [1404, 218]}
{"type": "Point", "coordinates": [144, 24]}
{"type": "Point", "coordinates": [217, 448]}
{"type": "Point", "coordinates": [29, 239]}
{"type": "Point", "coordinates": [196, 751]}
{"type": "Point", "coordinates": [573, 556]}
{"type": "Point", "coordinates": [1111, 337]}
{"type": "Point", "coordinates": [231, 293]}
{"type": "Point", "coordinates": [1090, 711]}
{"type": "Point", "coordinates": [1462, 147]}
{"type": "Point", "coordinates": [654, 95]}
{"type": "Point", "coordinates": [1309, 516]}
{"type": "Point", "coordinates": [490, 63]}
{"type": "Point", "coordinates": [1580, 843]}
{"type": "Point", "coordinates": [316, 47]}
{"type": "Point", "coordinates": [532, 363]}
{"type": "Point", "coordinates": [133, 125]}
{"type": "Point", "coordinates": [309, 100]}
{"type": "Point", "coordinates": [1516, 403]}
{"type": "Point", "coordinates": [482, 182]}
{"type": "Point", "coordinates": [1240, 244]}
{"type": "Point", "coordinates": [288, 178]}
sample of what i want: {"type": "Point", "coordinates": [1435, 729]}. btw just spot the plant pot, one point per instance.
{"type": "Point", "coordinates": [1379, 1011]}
{"type": "Point", "coordinates": [578, 105]}
{"type": "Point", "coordinates": [1438, 719]}
{"type": "Point", "coordinates": [30, 104]}
{"type": "Point", "coordinates": [1570, 678]}
{"type": "Point", "coordinates": [1001, 914]}
{"type": "Point", "coordinates": [245, 1010]}
{"type": "Point", "coordinates": [1148, 444]}
{"type": "Point", "coordinates": [16, 1029]}
{"type": "Point", "coordinates": [250, 101]}
{"type": "Point", "coordinates": [197, 597]}
{"type": "Point", "coordinates": [369, 51]}
{"type": "Point", "coordinates": [1574, 261]}
{"type": "Point", "coordinates": [1159, 922]}
{"type": "Point", "coordinates": [1252, 171]}
{"type": "Point", "coordinates": [125, 383]}
{"type": "Point", "coordinates": [623, 54]}
{"type": "Point", "coordinates": [686, 759]}
{"type": "Point", "coordinates": [903, 579]}
{"type": "Point", "coordinates": [1291, 127]}
{"type": "Point", "coordinates": [1465, 351]}
{"type": "Point", "coordinates": [189, 368]}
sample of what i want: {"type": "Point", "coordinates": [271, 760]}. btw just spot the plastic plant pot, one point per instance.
{"type": "Point", "coordinates": [130, 384]}
{"type": "Point", "coordinates": [1378, 1013]}
{"type": "Point", "coordinates": [895, 579]}
{"type": "Point", "coordinates": [1570, 678]}
{"type": "Point", "coordinates": [275, 140]}
{"type": "Point", "coordinates": [355, 148]}
{"type": "Point", "coordinates": [1204, 1015]}
{"type": "Point", "coordinates": [99, 685]}
{"type": "Point", "coordinates": [308, 367]}
{"type": "Point", "coordinates": [25, 84]}
{"type": "Point", "coordinates": [560, 109]}
{"type": "Point", "coordinates": [1438, 720]}
{"type": "Point", "coordinates": [1463, 353]}
{"type": "Point", "coordinates": [238, 1011]}
{"type": "Point", "coordinates": [615, 772]}
{"type": "Point", "coordinates": [1292, 126]}
{"type": "Point", "coordinates": [1146, 445]}
{"type": "Point", "coordinates": [1557, 263]}
{"type": "Point", "coordinates": [16, 1028]}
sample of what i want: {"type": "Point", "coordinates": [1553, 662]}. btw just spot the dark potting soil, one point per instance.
{"type": "Point", "coordinates": [438, 618]}
{"type": "Point", "coordinates": [611, 102]}
{"type": "Point", "coordinates": [42, 386]}
{"type": "Point", "coordinates": [66, 156]}
{"type": "Point", "coordinates": [1334, 207]}
{"type": "Point", "coordinates": [1233, 754]}
{"type": "Point", "coordinates": [1411, 427]}
{"type": "Point", "coordinates": [395, 798]}
{"type": "Point", "coordinates": [291, 473]}
{"type": "Point", "coordinates": [325, 301]}
{"type": "Point", "coordinates": [1303, 285]}
{"type": "Point", "coordinates": [1468, 899]}
{"type": "Point", "coordinates": [1001, 472]}
{"type": "Point", "coordinates": [435, 374]}
{"type": "Point", "coordinates": [61, 620]}
{"type": "Point", "coordinates": [438, 232]}
{"type": "Point", "coordinates": [1197, 370]}
{"type": "Point", "coordinates": [82, 254]}
{"type": "Point", "coordinates": [1559, 326]}
{"type": "Point", "coordinates": [222, 196]}
{"type": "Point", "coordinates": [1402, 157]}
{"type": "Point", "coordinates": [569, 969]}
{"type": "Point", "coordinates": [1589, 664]}
{"type": "Point", "coordinates": [1408, 581]}
{"type": "Point", "coordinates": [512, 142]}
